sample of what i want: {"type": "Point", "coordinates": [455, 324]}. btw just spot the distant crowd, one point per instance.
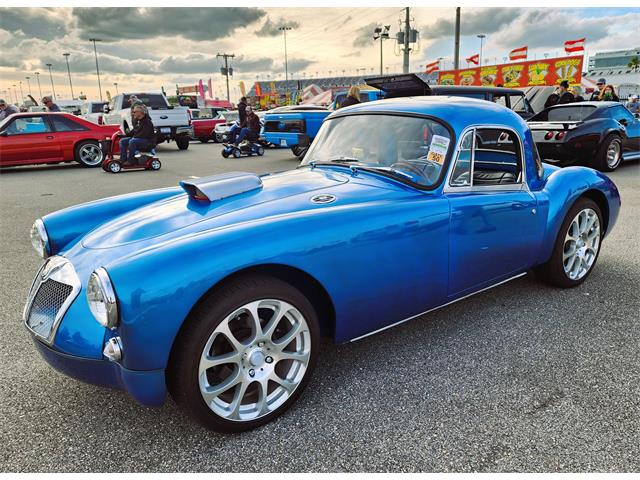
{"type": "Point", "coordinates": [604, 93]}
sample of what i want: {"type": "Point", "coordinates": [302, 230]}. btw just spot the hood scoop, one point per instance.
{"type": "Point", "coordinates": [217, 187]}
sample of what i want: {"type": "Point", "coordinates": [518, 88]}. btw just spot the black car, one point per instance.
{"type": "Point", "coordinates": [599, 134]}
{"type": "Point", "coordinates": [410, 85]}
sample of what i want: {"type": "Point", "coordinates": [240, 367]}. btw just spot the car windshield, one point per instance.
{"type": "Point", "coordinates": [565, 114]}
{"type": "Point", "coordinates": [153, 101]}
{"type": "Point", "coordinates": [411, 149]}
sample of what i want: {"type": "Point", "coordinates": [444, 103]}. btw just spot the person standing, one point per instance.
{"type": "Point", "coordinates": [596, 93]}
{"type": "Point", "coordinates": [633, 105]}
{"type": "Point", "coordinates": [608, 94]}
{"type": "Point", "coordinates": [51, 107]}
{"type": "Point", "coordinates": [242, 112]}
{"type": "Point", "coordinates": [353, 97]}
{"type": "Point", "coordinates": [143, 136]}
{"type": "Point", "coordinates": [7, 109]}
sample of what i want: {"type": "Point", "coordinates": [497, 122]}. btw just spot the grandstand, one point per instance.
{"type": "Point", "coordinates": [325, 83]}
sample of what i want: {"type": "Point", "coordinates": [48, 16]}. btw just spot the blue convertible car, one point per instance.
{"type": "Point", "coordinates": [219, 289]}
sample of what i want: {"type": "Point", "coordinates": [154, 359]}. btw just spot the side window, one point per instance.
{"type": "Point", "coordinates": [488, 157]}
{"type": "Point", "coordinates": [26, 125]}
{"type": "Point", "coordinates": [500, 100]}
{"type": "Point", "coordinates": [63, 124]}
{"type": "Point", "coordinates": [461, 175]}
{"type": "Point", "coordinates": [621, 113]}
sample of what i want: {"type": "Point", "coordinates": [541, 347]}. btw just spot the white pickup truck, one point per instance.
{"type": "Point", "coordinates": [171, 123]}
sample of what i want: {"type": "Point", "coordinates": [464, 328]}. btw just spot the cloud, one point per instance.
{"type": "Point", "coordinates": [364, 35]}
{"type": "Point", "coordinates": [139, 23]}
{"type": "Point", "coordinates": [271, 28]}
{"type": "Point", "coordinates": [539, 28]}
{"type": "Point", "coordinates": [33, 22]}
{"type": "Point", "coordinates": [487, 20]}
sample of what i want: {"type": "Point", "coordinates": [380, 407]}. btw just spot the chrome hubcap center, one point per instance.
{"type": "Point", "coordinates": [256, 358]}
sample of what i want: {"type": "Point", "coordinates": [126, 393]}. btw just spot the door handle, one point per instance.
{"type": "Point", "coordinates": [50, 137]}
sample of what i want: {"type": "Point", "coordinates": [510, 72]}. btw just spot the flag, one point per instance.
{"type": "Point", "coordinates": [432, 67]}
{"type": "Point", "coordinates": [573, 46]}
{"type": "Point", "coordinates": [258, 89]}
{"type": "Point", "coordinates": [474, 59]}
{"type": "Point", "coordinates": [519, 53]}
{"type": "Point", "coordinates": [243, 89]}
{"type": "Point", "coordinates": [201, 89]}
{"type": "Point", "coordinates": [210, 90]}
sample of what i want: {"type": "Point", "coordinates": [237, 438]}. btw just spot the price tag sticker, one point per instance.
{"type": "Point", "coordinates": [438, 149]}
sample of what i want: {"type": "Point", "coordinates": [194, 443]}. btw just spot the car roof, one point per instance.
{"type": "Point", "coordinates": [459, 112]}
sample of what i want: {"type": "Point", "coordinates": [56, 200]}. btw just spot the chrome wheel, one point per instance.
{"type": "Point", "coordinates": [90, 154]}
{"type": "Point", "coordinates": [155, 164]}
{"type": "Point", "coordinates": [254, 360]}
{"type": "Point", "coordinates": [114, 167]}
{"type": "Point", "coordinates": [581, 244]}
{"type": "Point", "coordinates": [613, 153]}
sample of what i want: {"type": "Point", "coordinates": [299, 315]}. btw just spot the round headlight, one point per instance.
{"type": "Point", "coordinates": [39, 239]}
{"type": "Point", "coordinates": [102, 299]}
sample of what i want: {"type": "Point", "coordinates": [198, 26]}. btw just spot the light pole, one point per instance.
{"type": "Point", "coordinates": [95, 52]}
{"type": "Point", "coordinates": [51, 78]}
{"type": "Point", "coordinates": [115, 84]}
{"type": "Point", "coordinates": [37, 74]}
{"type": "Point", "coordinates": [66, 57]}
{"type": "Point", "coordinates": [381, 33]}
{"type": "Point", "coordinates": [28, 84]}
{"type": "Point", "coordinates": [21, 94]}
{"type": "Point", "coordinates": [284, 29]}
{"type": "Point", "coordinates": [481, 37]}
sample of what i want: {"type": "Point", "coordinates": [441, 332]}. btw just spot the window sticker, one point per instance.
{"type": "Point", "coordinates": [438, 149]}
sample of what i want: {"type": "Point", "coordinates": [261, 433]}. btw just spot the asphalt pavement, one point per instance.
{"type": "Point", "coordinates": [523, 377]}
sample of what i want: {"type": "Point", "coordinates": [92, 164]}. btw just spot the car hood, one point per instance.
{"type": "Point", "coordinates": [281, 194]}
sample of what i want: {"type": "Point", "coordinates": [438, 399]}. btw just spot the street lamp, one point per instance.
{"type": "Point", "coordinates": [381, 33]}
{"type": "Point", "coordinates": [51, 78]}
{"type": "Point", "coordinates": [481, 37]}
{"type": "Point", "coordinates": [66, 57]}
{"type": "Point", "coordinates": [94, 40]}
{"type": "Point", "coordinates": [284, 29]}
{"type": "Point", "coordinates": [37, 74]}
{"type": "Point", "coordinates": [115, 84]}
{"type": "Point", "coordinates": [28, 84]}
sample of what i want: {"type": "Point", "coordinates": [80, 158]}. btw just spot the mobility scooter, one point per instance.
{"type": "Point", "coordinates": [245, 149]}
{"type": "Point", "coordinates": [144, 160]}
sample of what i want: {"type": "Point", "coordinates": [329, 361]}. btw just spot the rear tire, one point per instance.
{"type": "Point", "coordinates": [609, 156]}
{"type": "Point", "coordinates": [260, 151]}
{"type": "Point", "coordinates": [114, 167]}
{"type": "Point", "coordinates": [237, 153]}
{"type": "Point", "coordinates": [581, 232]}
{"type": "Point", "coordinates": [182, 142]}
{"type": "Point", "coordinates": [88, 154]}
{"type": "Point", "coordinates": [268, 361]}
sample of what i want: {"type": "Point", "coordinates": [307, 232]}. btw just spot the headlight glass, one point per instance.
{"type": "Point", "coordinates": [39, 238]}
{"type": "Point", "coordinates": [102, 299]}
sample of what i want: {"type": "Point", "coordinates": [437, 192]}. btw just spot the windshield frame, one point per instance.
{"type": "Point", "coordinates": [395, 113]}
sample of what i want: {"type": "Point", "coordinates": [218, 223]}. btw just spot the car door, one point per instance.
{"type": "Point", "coordinates": [494, 229]}
{"type": "Point", "coordinates": [631, 144]}
{"type": "Point", "coordinates": [29, 139]}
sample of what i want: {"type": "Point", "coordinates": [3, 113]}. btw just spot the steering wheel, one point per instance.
{"type": "Point", "coordinates": [430, 170]}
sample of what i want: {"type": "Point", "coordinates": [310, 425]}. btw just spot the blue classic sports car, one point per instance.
{"type": "Point", "coordinates": [219, 289]}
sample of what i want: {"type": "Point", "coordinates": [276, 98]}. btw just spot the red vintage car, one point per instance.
{"type": "Point", "coordinates": [47, 137]}
{"type": "Point", "coordinates": [204, 121]}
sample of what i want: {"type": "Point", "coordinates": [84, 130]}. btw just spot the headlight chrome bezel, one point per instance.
{"type": "Point", "coordinates": [102, 299]}
{"type": "Point", "coordinates": [40, 239]}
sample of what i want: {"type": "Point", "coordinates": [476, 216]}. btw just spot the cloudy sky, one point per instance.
{"type": "Point", "coordinates": [146, 48]}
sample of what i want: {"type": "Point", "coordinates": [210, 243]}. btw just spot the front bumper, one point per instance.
{"type": "Point", "coordinates": [146, 387]}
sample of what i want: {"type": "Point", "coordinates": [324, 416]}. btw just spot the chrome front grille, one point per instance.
{"type": "Point", "coordinates": [56, 285]}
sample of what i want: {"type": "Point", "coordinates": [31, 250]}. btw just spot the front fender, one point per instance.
{"type": "Point", "coordinates": [65, 226]}
{"type": "Point", "coordinates": [561, 190]}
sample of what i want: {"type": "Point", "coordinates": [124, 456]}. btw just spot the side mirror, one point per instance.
{"type": "Point", "coordinates": [623, 121]}
{"type": "Point", "coordinates": [106, 109]}
{"type": "Point", "coordinates": [637, 115]}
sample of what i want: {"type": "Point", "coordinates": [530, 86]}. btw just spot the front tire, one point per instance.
{"type": "Point", "coordinates": [88, 154]}
{"type": "Point", "coordinates": [299, 151]}
{"type": "Point", "coordinates": [577, 246]}
{"type": "Point", "coordinates": [182, 142]}
{"type": "Point", "coordinates": [245, 354]}
{"type": "Point", "coordinates": [609, 156]}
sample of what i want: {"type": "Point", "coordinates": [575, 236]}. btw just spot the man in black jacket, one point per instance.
{"type": "Point", "coordinates": [142, 139]}
{"type": "Point", "coordinates": [242, 112]}
{"type": "Point", "coordinates": [252, 129]}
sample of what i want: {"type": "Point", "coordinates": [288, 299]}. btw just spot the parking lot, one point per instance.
{"type": "Point", "coordinates": [523, 377]}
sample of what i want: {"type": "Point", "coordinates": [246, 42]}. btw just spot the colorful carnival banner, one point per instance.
{"type": "Point", "coordinates": [550, 71]}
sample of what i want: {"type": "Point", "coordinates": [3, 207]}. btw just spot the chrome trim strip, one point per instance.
{"type": "Point", "coordinates": [437, 308]}
{"type": "Point", "coordinates": [50, 272]}
{"type": "Point", "coordinates": [631, 156]}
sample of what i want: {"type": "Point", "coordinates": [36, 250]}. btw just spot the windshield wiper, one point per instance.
{"type": "Point", "coordinates": [343, 159]}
